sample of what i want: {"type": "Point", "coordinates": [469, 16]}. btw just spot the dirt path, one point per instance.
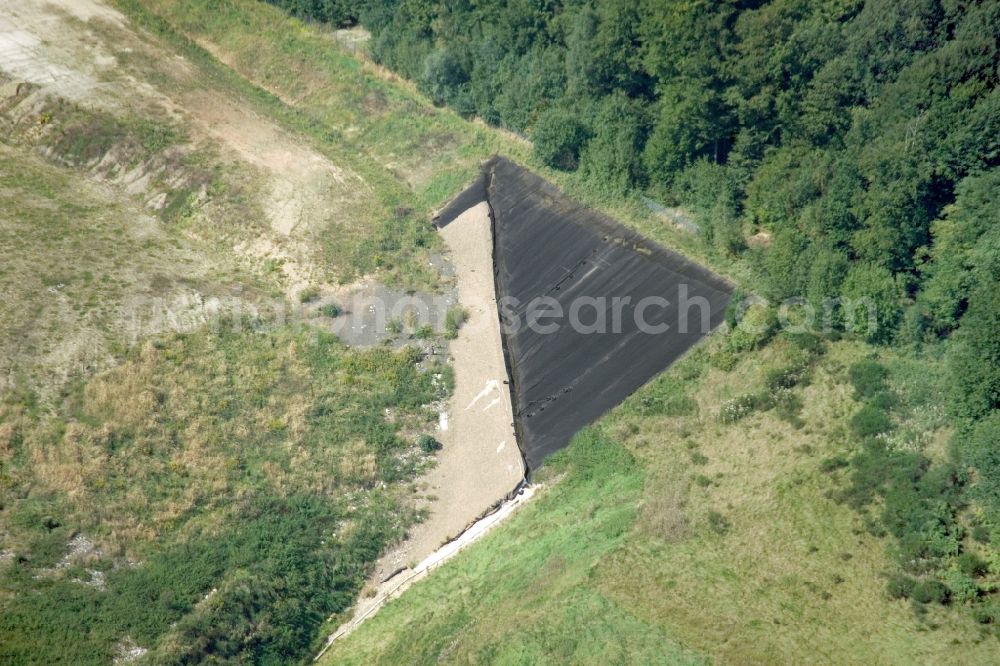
{"type": "Point", "coordinates": [306, 188]}
{"type": "Point", "coordinates": [88, 53]}
{"type": "Point", "coordinates": [480, 462]}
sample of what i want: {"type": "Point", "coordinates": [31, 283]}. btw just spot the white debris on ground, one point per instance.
{"type": "Point", "coordinates": [128, 651]}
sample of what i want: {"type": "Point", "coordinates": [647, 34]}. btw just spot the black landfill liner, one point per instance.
{"type": "Point", "coordinates": [546, 244]}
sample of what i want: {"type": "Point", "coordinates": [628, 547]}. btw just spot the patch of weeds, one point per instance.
{"type": "Point", "coordinates": [85, 135]}
{"type": "Point", "coordinates": [394, 327]}
{"type": "Point", "coordinates": [308, 295]}
{"type": "Point", "coordinates": [424, 332]}
{"type": "Point", "coordinates": [718, 523]}
{"type": "Point", "coordinates": [331, 310]}
{"type": "Point", "coordinates": [455, 317]}
{"type": "Point", "coordinates": [868, 378]}
{"type": "Point", "coordinates": [665, 396]}
{"type": "Point", "coordinates": [738, 408]}
{"type": "Point", "coordinates": [699, 458]}
{"type": "Point", "coordinates": [428, 444]}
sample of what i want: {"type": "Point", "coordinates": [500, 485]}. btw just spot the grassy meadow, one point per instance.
{"type": "Point", "coordinates": [671, 532]}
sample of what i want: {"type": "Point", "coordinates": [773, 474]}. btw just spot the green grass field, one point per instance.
{"type": "Point", "coordinates": [665, 535]}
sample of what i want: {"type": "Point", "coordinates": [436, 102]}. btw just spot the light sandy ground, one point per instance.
{"type": "Point", "coordinates": [87, 52]}
{"type": "Point", "coordinates": [28, 52]}
{"type": "Point", "coordinates": [306, 188]}
{"type": "Point", "coordinates": [480, 462]}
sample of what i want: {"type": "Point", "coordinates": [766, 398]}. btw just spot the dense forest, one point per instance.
{"type": "Point", "coordinates": [856, 142]}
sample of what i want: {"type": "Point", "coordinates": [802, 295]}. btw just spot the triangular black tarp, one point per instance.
{"type": "Point", "coordinates": [548, 245]}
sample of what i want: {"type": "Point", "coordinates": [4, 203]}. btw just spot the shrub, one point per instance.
{"type": "Point", "coordinates": [930, 591]}
{"type": "Point", "coordinates": [756, 327]}
{"type": "Point", "coordinates": [871, 302]}
{"type": "Point", "coordinates": [900, 586]}
{"type": "Point", "coordinates": [975, 357]}
{"type": "Point", "coordinates": [810, 343]}
{"type": "Point", "coordinates": [308, 295]}
{"type": "Point", "coordinates": [832, 464]}
{"type": "Point", "coordinates": [987, 614]}
{"type": "Point", "coordinates": [884, 400]}
{"type": "Point", "coordinates": [961, 587]}
{"type": "Point", "coordinates": [786, 377]}
{"type": "Point", "coordinates": [331, 310]}
{"type": "Point", "coordinates": [428, 444]}
{"type": "Point", "coordinates": [699, 458]}
{"type": "Point", "coordinates": [443, 76]}
{"type": "Point", "coordinates": [868, 378]}
{"type": "Point", "coordinates": [718, 523]}
{"type": "Point", "coordinates": [972, 565]}
{"type": "Point", "coordinates": [558, 137]}
{"type": "Point", "coordinates": [453, 321]}
{"type": "Point", "coordinates": [725, 359]}
{"type": "Point", "coordinates": [787, 406]}
{"type": "Point", "coordinates": [737, 408]}
{"type": "Point", "coordinates": [734, 310]}
{"type": "Point", "coordinates": [341, 13]}
{"type": "Point", "coordinates": [981, 533]}
{"type": "Point", "coordinates": [870, 421]}
{"type": "Point", "coordinates": [979, 448]}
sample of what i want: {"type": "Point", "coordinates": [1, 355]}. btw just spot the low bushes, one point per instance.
{"type": "Point", "coordinates": [258, 464]}
{"type": "Point", "coordinates": [453, 321]}
{"type": "Point", "coordinates": [868, 377]}
{"type": "Point", "coordinates": [870, 421]}
{"type": "Point", "coordinates": [930, 591]}
{"type": "Point", "coordinates": [778, 383]}
{"type": "Point", "coordinates": [921, 503]}
{"type": "Point", "coordinates": [428, 444]}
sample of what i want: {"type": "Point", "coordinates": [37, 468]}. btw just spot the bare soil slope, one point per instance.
{"type": "Point", "coordinates": [480, 462]}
